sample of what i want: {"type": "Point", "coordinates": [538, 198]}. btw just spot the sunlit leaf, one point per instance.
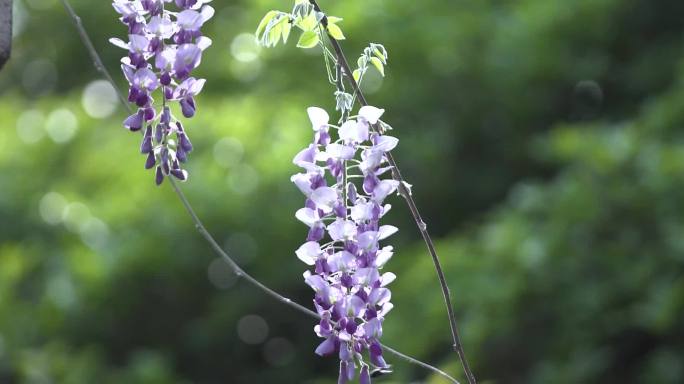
{"type": "Point", "coordinates": [378, 65]}
{"type": "Point", "coordinates": [308, 39]}
{"type": "Point", "coordinates": [334, 20]}
{"type": "Point", "coordinates": [357, 75]}
{"type": "Point", "coordinates": [287, 27]}
{"type": "Point", "coordinates": [335, 32]}
{"type": "Point", "coordinates": [264, 22]}
{"type": "Point", "coordinates": [308, 23]}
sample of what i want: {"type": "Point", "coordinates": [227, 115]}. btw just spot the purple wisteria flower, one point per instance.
{"type": "Point", "coordinates": [164, 47]}
{"type": "Point", "coordinates": [343, 243]}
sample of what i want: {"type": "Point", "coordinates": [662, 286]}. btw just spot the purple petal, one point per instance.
{"type": "Point", "coordinates": [316, 282]}
{"type": "Point", "coordinates": [326, 348]}
{"type": "Point", "coordinates": [138, 43]}
{"type": "Point", "coordinates": [159, 176]}
{"type": "Point", "coordinates": [185, 143]}
{"type": "Point", "coordinates": [365, 375]}
{"type": "Point", "coordinates": [376, 355]}
{"type": "Point", "coordinates": [179, 174]}
{"type": "Point", "coordinates": [134, 122]}
{"type": "Point", "coordinates": [344, 377]}
{"type": "Point", "coordinates": [149, 163]}
{"type": "Point", "coordinates": [190, 20]}
{"type": "Point", "coordinates": [188, 57]}
{"type": "Point", "coordinates": [188, 106]}
{"type": "Point", "coordinates": [303, 182]}
{"type": "Point", "coordinates": [316, 232]}
{"type": "Point", "coordinates": [146, 145]}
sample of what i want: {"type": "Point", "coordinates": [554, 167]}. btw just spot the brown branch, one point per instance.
{"type": "Point", "coordinates": [5, 31]}
{"type": "Point", "coordinates": [404, 191]}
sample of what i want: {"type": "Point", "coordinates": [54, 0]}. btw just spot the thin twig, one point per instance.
{"type": "Point", "coordinates": [200, 226]}
{"type": "Point", "coordinates": [233, 265]}
{"type": "Point", "coordinates": [404, 191]}
{"type": "Point", "coordinates": [97, 61]}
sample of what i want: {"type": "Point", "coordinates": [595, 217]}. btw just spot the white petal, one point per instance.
{"type": "Point", "coordinates": [203, 42]}
{"type": "Point", "coordinates": [371, 114]}
{"type": "Point", "coordinates": [354, 132]}
{"type": "Point", "coordinates": [207, 13]}
{"type": "Point", "coordinates": [386, 231]}
{"type": "Point", "coordinates": [319, 118]}
{"type": "Point", "coordinates": [384, 188]}
{"type": "Point", "coordinates": [340, 152]}
{"type": "Point", "coordinates": [119, 43]}
{"type": "Point", "coordinates": [197, 86]}
{"type": "Point", "coordinates": [387, 278]}
{"type": "Point", "coordinates": [303, 182]}
{"type": "Point", "coordinates": [324, 198]}
{"type": "Point", "coordinates": [138, 43]}
{"type": "Point", "coordinates": [341, 229]}
{"type": "Point", "coordinates": [383, 256]}
{"type": "Point", "coordinates": [308, 252]}
{"type": "Point", "coordinates": [361, 212]}
{"type": "Point", "coordinates": [385, 309]}
{"type": "Point", "coordinates": [371, 160]}
{"type": "Point", "coordinates": [368, 240]}
{"type": "Point", "coordinates": [386, 143]}
{"type": "Point", "coordinates": [341, 261]}
{"type": "Point", "coordinates": [307, 216]}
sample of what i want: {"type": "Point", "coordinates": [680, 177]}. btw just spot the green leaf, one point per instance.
{"type": "Point", "coordinates": [334, 20]}
{"type": "Point", "coordinates": [379, 51]}
{"type": "Point", "coordinates": [308, 23]}
{"type": "Point", "coordinates": [287, 27]}
{"type": "Point", "coordinates": [274, 34]}
{"type": "Point", "coordinates": [357, 75]}
{"type": "Point", "coordinates": [335, 32]}
{"type": "Point", "coordinates": [378, 65]}
{"type": "Point", "coordinates": [380, 55]}
{"type": "Point", "coordinates": [264, 22]}
{"type": "Point", "coordinates": [308, 39]}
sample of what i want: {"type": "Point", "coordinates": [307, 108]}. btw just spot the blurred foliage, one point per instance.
{"type": "Point", "coordinates": [550, 132]}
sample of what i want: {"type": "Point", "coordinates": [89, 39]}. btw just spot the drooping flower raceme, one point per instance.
{"type": "Point", "coordinates": [345, 185]}
{"type": "Point", "coordinates": [164, 47]}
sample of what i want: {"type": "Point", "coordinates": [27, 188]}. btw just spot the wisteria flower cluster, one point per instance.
{"type": "Point", "coordinates": [343, 242]}
{"type": "Point", "coordinates": [164, 47]}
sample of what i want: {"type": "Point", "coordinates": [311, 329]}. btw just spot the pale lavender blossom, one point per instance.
{"type": "Point", "coordinates": [163, 49]}
{"type": "Point", "coordinates": [343, 244]}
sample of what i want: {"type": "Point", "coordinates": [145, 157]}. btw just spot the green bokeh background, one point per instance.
{"type": "Point", "coordinates": [544, 140]}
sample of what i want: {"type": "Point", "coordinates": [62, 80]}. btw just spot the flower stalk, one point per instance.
{"type": "Point", "coordinates": [407, 195]}
{"type": "Point", "coordinates": [352, 297]}
{"type": "Point", "coordinates": [164, 47]}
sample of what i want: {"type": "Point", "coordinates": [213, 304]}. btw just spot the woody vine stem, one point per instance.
{"type": "Point", "coordinates": [99, 66]}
